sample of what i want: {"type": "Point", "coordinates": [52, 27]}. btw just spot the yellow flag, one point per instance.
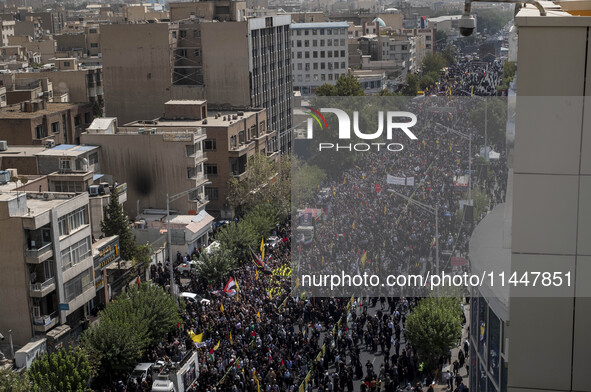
{"type": "Point", "coordinates": [384, 210]}
{"type": "Point", "coordinates": [259, 316]}
{"type": "Point", "coordinates": [222, 308]}
{"type": "Point", "coordinates": [237, 291]}
{"type": "Point", "coordinates": [262, 248]}
{"type": "Point", "coordinates": [217, 345]}
{"type": "Point", "coordinates": [270, 294]}
{"type": "Point", "coordinates": [353, 225]}
{"type": "Point", "coordinates": [196, 338]}
{"type": "Point", "coordinates": [256, 379]}
{"type": "Point", "coordinates": [231, 342]}
{"type": "Point", "coordinates": [256, 274]}
{"type": "Point", "coordinates": [323, 261]}
{"type": "Point", "coordinates": [363, 258]}
{"type": "Point", "coordinates": [344, 180]}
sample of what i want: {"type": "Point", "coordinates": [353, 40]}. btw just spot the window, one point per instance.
{"type": "Point", "coordinates": [209, 145]}
{"type": "Point", "coordinates": [211, 193]}
{"type": "Point", "coordinates": [65, 164]}
{"type": "Point", "coordinates": [241, 134]}
{"type": "Point", "coordinates": [55, 127]}
{"type": "Point", "coordinates": [40, 132]}
{"type": "Point", "coordinates": [93, 158]}
{"type": "Point", "coordinates": [94, 45]}
{"type": "Point", "coordinates": [315, 54]}
{"type": "Point", "coordinates": [343, 65]}
{"type": "Point", "coordinates": [299, 66]}
{"type": "Point", "coordinates": [315, 42]}
{"type": "Point", "coordinates": [299, 43]}
{"type": "Point", "coordinates": [342, 53]}
{"type": "Point", "coordinates": [342, 42]}
{"type": "Point", "coordinates": [197, 52]}
{"type": "Point", "coordinates": [76, 253]}
{"type": "Point", "coordinates": [315, 66]}
{"type": "Point", "coordinates": [211, 169]}
{"type": "Point", "coordinates": [307, 55]}
{"type": "Point", "coordinates": [322, 65]}
{"type": "Point", "coordinates": [233, 143]}
{"type": "Point", "coordinates": [191, 172]}
{"type": "Point", "coordinates": [78, 285]}
{"type": "Point", "coordinates": [62, 225]}
{"type": "Point", "coordinates": [87, 118]}
{"type": "Point", "coordinates": [307, 43]}
{"type": "Point", "coordinates": [314, 32]}
{"type": "Point", "coordinates": [182, 33]}
{"type": "Point", "coordinates": [92, 31]}
{"type": "Point", "coordinates": [196, 33]}
{"type": "Point", "coordinates": [66, 63]}
{"type": "Point", "coordinates": [78, 218]}
{"type": "Point", "coordinates": [299, 56]}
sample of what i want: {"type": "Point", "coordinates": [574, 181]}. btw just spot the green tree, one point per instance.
{"type": "Point", "coordinates": [449, 54]}
{"type": "Point", "coordinates": [428, 80]}
{"type": "Point", "coordinates": [11, 381]}
{"type": "Point", "coordinates": [495, 121]}
{"type": "Point", "coordinates": [142, 255]}
{"type": "Point", "coordinates": [136, 320]}
{"type": "Point", "coordinates": [262, 219]}
{"type": "Point", "coordinates": [97, 109]}
{"type": "Point", "coordinates": [491, 21]}
{"type": "Point", "coordinates": [236, 238]}
{"type": "Point", "coordinates": [116, 222]}
{"type": "Point", "coordinates": [509, 69]}
{"type": "Point", "coordinates": [480, 201]}
{"type": "Point", "coordinates": [433, 62]}
{"type": "Point", "coordinates": [215, 265]}
{"type": "Point", "coordinates": [386, 93]}
{"type": "Point", "coordinates": [346, 86]}
{"type": "Point", "coordinates": [304, 183]}
{"type": "Point", "coordinates": [434, 327]}
{"type": "Point", "coordinates": [411, 85]}
{"type": "Point", "coordinates": [267, 181]}
{"type": "Point", "coordinates": [62, 371]}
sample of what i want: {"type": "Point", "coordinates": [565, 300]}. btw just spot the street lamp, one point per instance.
{"type": "Point", "coordinates": [485, 122]}
{"type": "Point", "coordinates": [168, 200]}
{"type": "Point", "coordinates": [469, 137]}
{"type": "Point", "coordinates": [432, 210]}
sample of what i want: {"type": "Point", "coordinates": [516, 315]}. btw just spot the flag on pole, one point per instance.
{"type": "Point", "coordinates": [237, 292]}
{"type": "Point", "coordinates": [217, 346]}
{"type": "Point", "coordinates": [230, 287]}
{"type": "Point", "coordinates": [256, 379]}
{"type": "Point", "coordinates": [256, 274]}
{"type": "Point", "coordinates": [231, 342]}
{"type": "Point", "coordinates": [262, 248]}
{"type": "Point", "coordinates": [259, 316]}
{"type": "Point", "coordinates": [194, 337]}
{"type": "Point", "coordinates": [363, 258]}
{"type": "Point", "coordinates": [222, 308]}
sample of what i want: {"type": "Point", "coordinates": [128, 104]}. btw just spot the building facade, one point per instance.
{"type": "Point", "coordinates": [320, 54]}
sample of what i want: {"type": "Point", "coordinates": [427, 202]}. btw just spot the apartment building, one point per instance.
{"type": "Point", "coordinates": [229, 139]}
{"type": "Point", "coordinates": [40, 123]}
{"type": "Point", "coordinates": [7, 30]}
{"type": "Point", "coordinates": [155, 158]}
{"type": "Point", "coordinates": [188, 60]}
{"type": "Point", "coordinates": [47, 266]}
{"type": "Point", "coordinates": [320, 54]}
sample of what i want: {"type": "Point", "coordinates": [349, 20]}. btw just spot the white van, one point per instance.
{"type": "Point", "coordinates": [141, 371]}
{"type": "Point", "coordinates": [163, 386]}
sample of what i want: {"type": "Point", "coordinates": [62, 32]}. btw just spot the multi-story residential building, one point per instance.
{"type": "Point", "coordinates": [447, 24]}
{"type": "Point", "coordinates": [47, 266]}
{"type": "Point", "coordinates": [320, 54]}
{"type": "Point", "coordinates": [231, 138]}
{"type": "Point", "coordinates": [156, 158]}
{"type": "Point", "coordinates": [187, 59]}
{"type": "Point", "coordinates": [82, 41]}
{"type": "Point", "coordinates": [39, 122]}
{"type": "Point", "coordinates": [7, 30]}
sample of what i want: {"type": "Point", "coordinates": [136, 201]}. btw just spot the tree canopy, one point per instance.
{"type": "Point", "coordinates": [116, 222]}
{"type": "Point", "coordinates": [66, 370]}
{"type": "Point", "coordinates": [434, 327]}
{"type": "Point", "coordinates": [346, 86]}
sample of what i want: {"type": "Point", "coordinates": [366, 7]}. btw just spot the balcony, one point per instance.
{"type": "Point", "coordinates": [45, 322]}
{"type": "Point", "coordinates": [36, 256]}
{"type": "Point", "coordinates": [241, 149]}
{"type": "Point", "coordinates": [240, 176]}
{"type": "Point", "coordinates": [42, 289]}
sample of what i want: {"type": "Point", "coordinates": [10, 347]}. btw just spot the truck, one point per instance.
{"type": "Point", "coordinates": [176, 376]}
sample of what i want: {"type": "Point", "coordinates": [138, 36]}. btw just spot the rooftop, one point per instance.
{"type": "Point", "coordinates": [67, 150]}
{"type": "Point", "coordinates": [319, 25]}
{"type": "Point", "coordinates": [444, 18]}
{"type": "Point", "coordinates": [15, 112]}
{"type": "Point", "coordinates": [565, 13]}
{"type": "Point", "coordinates": [22, 151]}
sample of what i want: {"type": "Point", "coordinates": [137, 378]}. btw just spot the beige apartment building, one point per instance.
{"type": "Point", "coordinates": [155, 158]}
{"type": "Point", "coordinates": [42, 123]}
{"type": "Point", "coordinates": [47, 266]}
{"type": "Point", "coordinates": [231, 138]}
{"type": "Point", "coordinates": [147, 64]}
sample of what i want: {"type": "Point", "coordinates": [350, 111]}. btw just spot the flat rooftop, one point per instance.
{"type": "Point", "coordinates": [67, 150]}
{"type": "Point", "coordinates": [15, 112]}
{"type": "Point", "coordinates": [320, 25]}
{"type": "Point", "coordinates": [22, 151]}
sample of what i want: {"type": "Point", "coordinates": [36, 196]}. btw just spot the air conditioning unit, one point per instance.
{"type": "Point", "coordinates": [4, 177]}
{"type": "Point", "coordinates": [153, 130]}
{"type": "Point", "coordinates": [3, 145]}
{"type": "Point", "coordinates": [48, 196]}
{"type": "Point", "coordinates": [141, 131]}
{"type": "Point", "coordinates": [50, 143]}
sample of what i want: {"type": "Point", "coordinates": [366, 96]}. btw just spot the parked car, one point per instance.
{"type": "Point", "coordinates": [140, 372]}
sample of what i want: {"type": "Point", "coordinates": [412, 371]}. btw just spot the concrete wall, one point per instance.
{"type": "Point", "coordinates": [225, 63]}
{"type": "Point", "coordinates": [150, 166]}
{"type": "Point", "coordinates": [14, 282]}
{"type": "Point", "coordinates": [72, 82]}
{"type": "Point", "coordinates": [137, 72]}
{"type": "Point", "coordinates": [550, 347]}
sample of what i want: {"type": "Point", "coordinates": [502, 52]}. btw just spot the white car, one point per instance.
{"type": "Point", "coordinates": [194, 298]}
{"type": "Point", "coordinates": [273, 241]}
{"type": "Point", "coordinates": [185, 269]}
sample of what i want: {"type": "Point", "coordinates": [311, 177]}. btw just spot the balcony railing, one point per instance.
{"type": "Point", "coordinates": [42, 286]}
{"type": "Point", "coordinates": [45, 251]}
{"type": "Point", "coordinates": [45, 319]}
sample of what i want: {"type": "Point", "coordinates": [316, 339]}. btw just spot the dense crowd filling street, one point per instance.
{"type": "Point", "coordinates": [257, 337]}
